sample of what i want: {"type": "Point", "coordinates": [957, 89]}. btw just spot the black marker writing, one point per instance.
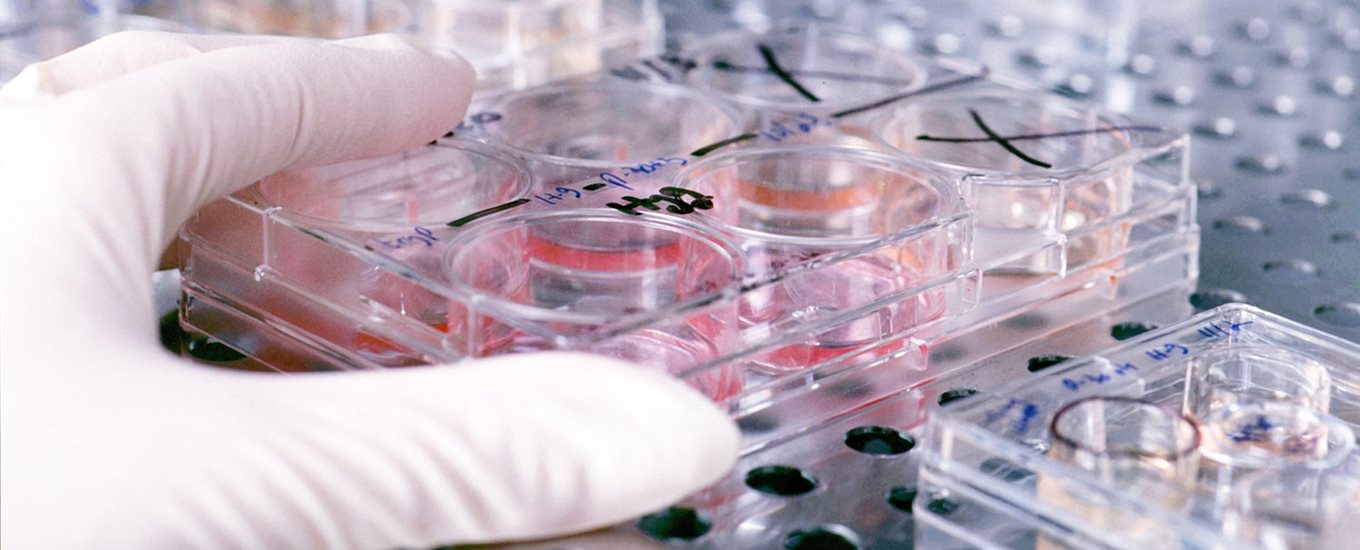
{"type": "Point", "coordinates": [1005, 143]}
{"type": "Point", "coordinates": [1027, 137]}
{"type": "Point", "coordinates": [826, 75]}
{"type": "Point", "coordinates": [673, 195]}
{"type": "Point", "coordinates": [773, 64]}
{"type": "Point", "coordinates": [460, 222]}
{"type": "Point", "coordinates": [905, 95]}
{"type": "Point", "coordinates": [719, 145]}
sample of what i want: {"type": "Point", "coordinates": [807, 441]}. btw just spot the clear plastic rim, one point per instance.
{"type": "Point", "coordinates": [521, 183]}
{"type": "Point", "coordinates": [948, 200]}
{"type": "Point", "coordinates": [914, 72]}
{"type": "Point", "coordinates": [731, 253]}
{"type": "Point", "coordinates": [1328, 485]}
{"type": "Point", "coordinates": [667, 90]}
{"type": "Point", "coordinates": [887, 117]}
{"type": "Point", "coordinates": [1294, 361]}
{"type": "Point", "coordinates": [1190, 448]}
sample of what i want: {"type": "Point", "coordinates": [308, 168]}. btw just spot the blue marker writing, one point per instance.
{"type": "Point", "coordinates": [423, 236]}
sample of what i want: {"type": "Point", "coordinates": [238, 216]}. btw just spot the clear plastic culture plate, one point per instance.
{"type": "Point", "coordinates": [1268, 459]}
{"type": "Point", "coordinates": [759, 245]}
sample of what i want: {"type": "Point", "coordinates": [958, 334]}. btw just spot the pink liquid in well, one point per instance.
{"type": "Point", "coordinates": [676, 352]}
{"type": "Point", "coordinates": [615, 283]}
{"type": "Point", "coordinates": [832, 290]}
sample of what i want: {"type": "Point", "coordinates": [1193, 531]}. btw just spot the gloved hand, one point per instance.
{"type": "Point", "coordinates": [109, 441]}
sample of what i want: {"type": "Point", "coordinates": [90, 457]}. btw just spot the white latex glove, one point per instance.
{"type": "Point", "coordinates": [111, 442]}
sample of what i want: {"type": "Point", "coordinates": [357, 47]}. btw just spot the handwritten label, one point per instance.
{"type": "Point", "coordinates": [608, 179]}
{"type": "Point", "coordinates": [558, 194]}
{"type": "Point", "coordinates": [1074, 384]}
{"type": "Point", "coordinates": [652, 166]}
{"type": "Point", "coordinates": [1167, 351]}
{"type": "Point", "coordinates": [668, 67]}
{"type": "Point", "coordinates": [565, 192]}
{"type": "Point", "coordinates": [777, 131]}
{"type": "Point", "coordinates": [673, 196]}
{"type": "Point", "coordinates": [422, 236]}
{"type": "Point", "coordinates": [1210, 331]}
{"type": "Point", "coordinates": [1028, 412]}
{"type": "Point", "coordinates": [802, 124]}
{"type": "Point", "coordinates": [1162, 351]}
{"type": "Point", "coordinates": [1214, 330]}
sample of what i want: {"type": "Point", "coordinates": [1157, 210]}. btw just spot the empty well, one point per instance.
{"type": "Point", "coordinates": [1030, 165]}
{"type": "Point", "coordinates": [576, 129]}
{"type": "Point", "coordinates": [429, 186]}
{"type": "Point", "coordinates": [785, 70]}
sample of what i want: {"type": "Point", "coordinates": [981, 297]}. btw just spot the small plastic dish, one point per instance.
{"type": "Point", "coordinates": [591, 279]}
{"type": "Point", "coordinates": [574, 130]}
{"type": "Point", "coordinates": [802, 69]}
{"type": "Point", "coordinates": [874, 226]}
{"type": "Point", "coordinates": [1032, 166]}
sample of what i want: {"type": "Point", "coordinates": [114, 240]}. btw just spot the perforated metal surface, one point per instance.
{"type": "Point", "coordinates": [1268, 90]}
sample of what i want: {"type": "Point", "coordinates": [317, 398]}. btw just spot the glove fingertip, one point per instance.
{"type": "Point", "coordinates": [462, 70]}
{"type": "Point", "coordinates": [675, 410]}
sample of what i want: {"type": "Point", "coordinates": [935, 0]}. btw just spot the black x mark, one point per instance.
{"type": "Point", "coordinates": [1005, 141]}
